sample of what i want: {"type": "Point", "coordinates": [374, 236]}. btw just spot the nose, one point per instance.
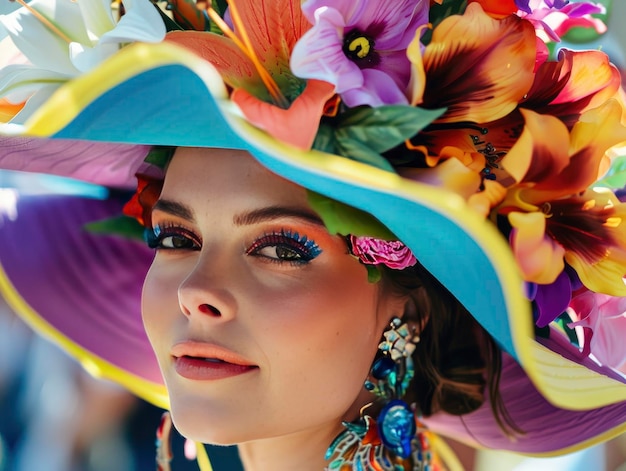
{"type": "Point", "coordinates": [206, 291]}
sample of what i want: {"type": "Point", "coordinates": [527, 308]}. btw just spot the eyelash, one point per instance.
{"type": "Point", "coordinates": [302, 247]}
{"type": "Point", "coordinates": [155, 237]}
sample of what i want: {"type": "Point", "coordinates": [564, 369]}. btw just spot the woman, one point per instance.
{"type": "Point", "coordinates": [268, 294]}
{"type": "Point", "coordinates": [277, 306]}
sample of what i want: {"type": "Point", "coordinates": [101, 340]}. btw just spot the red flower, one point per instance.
{"type": "Point", "coordinates": [141, 204]}
{"type": "Point", "coordinates": [498, 8]}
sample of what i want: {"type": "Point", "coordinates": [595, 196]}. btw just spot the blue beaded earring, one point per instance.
{"type": "Point", "coordinates": [395, 440]}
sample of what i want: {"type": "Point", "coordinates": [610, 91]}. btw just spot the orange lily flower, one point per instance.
{"type": "Point", "coordinates": [294, 124]}
{"type": "Point", "coordinates": [499, 55]}
{"type": "Point", "coordinates": [253, 59]}
{"type": "Point", "coordinates": [553, 214]}
{"type": "Point", "coordinates": [548, 162]}
{"type": "Point", "coordinates": [578, 82]}
{"type": "Point", "coordinates": [587, 231]}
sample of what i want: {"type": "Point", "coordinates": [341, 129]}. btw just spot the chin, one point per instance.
{"type": "Point", "coordinates": [209, 423]}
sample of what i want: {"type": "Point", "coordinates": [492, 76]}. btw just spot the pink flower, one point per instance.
{"type": "Point", "coordinates": [556, 17]}
{"type": "Point", "coordinates": [360, 47]}
{"type": "Point", "coordinates": [391, 253]}
{"type": "Point", "coordinates": [600, 322]}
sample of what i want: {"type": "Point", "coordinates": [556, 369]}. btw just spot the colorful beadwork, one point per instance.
{"type": "Point", "coordinates": [395, 440]}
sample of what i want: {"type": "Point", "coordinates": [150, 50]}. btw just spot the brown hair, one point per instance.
{"type": "Point", "coordinates": [455, 358]}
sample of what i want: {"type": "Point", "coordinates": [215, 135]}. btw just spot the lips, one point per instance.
{"type": "Point", "coordinates": [208, 362]}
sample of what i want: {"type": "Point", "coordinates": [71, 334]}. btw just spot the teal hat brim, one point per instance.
{"type": "Point", "coordinates": [165, 95]}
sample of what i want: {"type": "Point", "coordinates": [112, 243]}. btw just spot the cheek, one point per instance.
{"type": "Point", "coordinates": [320, 342]}
{"type": "Point", "coordinates": [159, 303]}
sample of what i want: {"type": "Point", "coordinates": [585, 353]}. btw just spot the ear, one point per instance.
{"type": "Point", "coordinates": [406, 308]}
{"type": "Point", "coordinates": [390, 306]}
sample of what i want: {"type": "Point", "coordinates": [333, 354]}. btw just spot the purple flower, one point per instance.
{"type": "Point", "coordinates": [525, 6]}
{"type": "Point", "coordinates": [360, 47]}
{"type": "Point", "coordinates": [600, 322]}
{"type": "Point", "coordinates": [391, 253]}
{"type": "Point", "coordinates": [552, 300]}
{"type": "Point", "coordinates": [557, 17]}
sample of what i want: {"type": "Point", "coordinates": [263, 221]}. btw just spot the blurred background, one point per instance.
{"type": "Point", "coordinates": [55, 417]}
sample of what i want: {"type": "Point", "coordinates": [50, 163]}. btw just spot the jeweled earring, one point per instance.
{"type": "Point", "coordinates": [394, 440]}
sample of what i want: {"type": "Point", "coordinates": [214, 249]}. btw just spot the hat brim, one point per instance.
{"type": "Point", "coordinates": [548, 431]}
{"type": "Point", "coordinates": [112, 165]}
{"type": "Point", "coordinates": [165, 95]}
{"type": "Point", "coordinates": [82, 290]}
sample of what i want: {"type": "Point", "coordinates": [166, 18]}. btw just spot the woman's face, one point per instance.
{"type": "Point", "coordinates": [263, 323]}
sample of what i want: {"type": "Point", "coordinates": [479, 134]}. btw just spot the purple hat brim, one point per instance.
{"type": "Point", "coordinates": [108, 164]}
{"type": "Point", "coordinates": [63, 280]}
{"type": "Point", "coordinates": [543, 424]}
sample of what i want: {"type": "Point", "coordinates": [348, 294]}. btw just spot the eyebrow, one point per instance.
{"type": "Point", "coordinates": [248, 218]}
{"type": "Point", "coordinates": [174, 208]}
{"type": "Point", "coordinates": [274, 212]}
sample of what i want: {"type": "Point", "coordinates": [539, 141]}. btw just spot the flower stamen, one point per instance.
{"type": "Point", "coordinates": [359, 48]}
{"type": "Point", "coordinates": [45, 21]}
{"type": "Point", "coordinates": [332, 106]}
{"type": "Point", "coordinates": [245, 45]}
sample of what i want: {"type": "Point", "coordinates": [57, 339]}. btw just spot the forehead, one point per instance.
{"type": "Point", "coordinates": [227, 176]}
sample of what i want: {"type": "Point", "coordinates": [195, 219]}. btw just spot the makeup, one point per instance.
{"type": "Point", "coordinates": [285, 246]}
{"type": "Point", "coordinates": [171, 237]}
{"type": "Point", "coordinates": [208, 362]}
{"type": "Point", "coordinates": [208, 369]}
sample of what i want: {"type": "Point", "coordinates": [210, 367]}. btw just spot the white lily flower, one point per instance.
{"type": "Point", "coordinates": [84, 33]}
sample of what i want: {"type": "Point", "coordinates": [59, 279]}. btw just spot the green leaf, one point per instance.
{"type": "Point", "coordinates": [616, 176]}
{"type": "Point", "coordinates": [356, 150]}
{"type": "Point", "coordinates": [213, 28]}
{"type": "Point", "coordinates": [160, 156]}
{"type": "Point", "coordinates": [342, 219]}
{"type": "Point", "coordinates": [385, 127]}
{"type": "Point", "coordinates": [123, 226]}
{"type": "Point", "coordinates": [220, 6]}
{"type": "Point", "coordinates": [563, 320]}
{"type": "Point", "coordinates": [373, 273]}
{"type": "Point", "coordinates": [325, 139]}
{"type": "Point", "coordinates": [438, 13]}
{"type": "Point", "coordinates": [181, 13]}
{"type": "Point", "coordinates": [364, 133]}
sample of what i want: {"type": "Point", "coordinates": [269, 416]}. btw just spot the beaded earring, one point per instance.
{"type": "Point", "coordinates": [394, 441]}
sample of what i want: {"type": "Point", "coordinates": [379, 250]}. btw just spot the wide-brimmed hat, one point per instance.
{"type": "Point", "coordinates": [458, 152]}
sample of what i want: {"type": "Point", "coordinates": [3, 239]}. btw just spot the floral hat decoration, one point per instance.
{"type": "Point", "coordinates": [452, 126]}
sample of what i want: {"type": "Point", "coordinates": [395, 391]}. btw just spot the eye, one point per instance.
{"type": "Point", "coordinates": [171, 238]}
{"type": "Point", "coordinates": [285, 247]}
